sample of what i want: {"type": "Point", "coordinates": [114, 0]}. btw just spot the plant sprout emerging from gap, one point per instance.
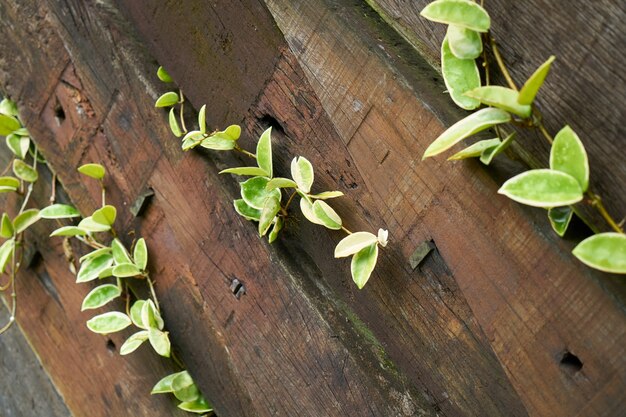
{"type": "Point", "coordinates": [558, 188]}
{"type": "Point", "coordinates": [262, 194]}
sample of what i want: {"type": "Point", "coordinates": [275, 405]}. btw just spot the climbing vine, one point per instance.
{"type": "Point", "coordinates": [557, 188]}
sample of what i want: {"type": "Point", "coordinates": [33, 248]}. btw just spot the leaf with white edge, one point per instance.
{"type": "Point", "coordinates": [475, 149]}
{"type": "Point", "coordinates": [108, 323]}
{"type": "Point", "coordinates": [560, 218]}
{"type": "Point", "coordinates": [100, 296]}
{"type": "Point", "coordinates": [604, 251]}
{"type": "Point", "coordinates": [69, 231]}
{"type": "Point", "coordinates": [140, 255]}
{"type": "Point", "coordinates": [254, 171]}
{"type": "Point", "coordinates": [8, 124]}
{"type": "Point", "coordinates": [6, 226]}
{"type": "Point", "coordinates": [135, 314]}
{"type": "Point", "coordinates": [24, 145]}
{"type": "Point", "coordinates": [173, 121]}
{"type": "Point", "coordinates": [126, 270]}
{"type": "Point", "coordinates": [106, 272]}
{"type": "Point", "coordinates": [25, 219]}
{"type": "Point", "coordinates": [202, 119]}
{"type": "Point", "coordinates": [326, 195]}
{"type": "Point", "coordinates": [460, 76]}
{"type": "Point", "coordinates": [24, 171]}
{"type": "Point", "coordinates": [17, 144]}
{"type": "Point", "coordinates": [233, 132]}
{"type": "Point", "coordinates": [264, 152]}
{"type": "Point", "coordinates": [278, 225]}
{"type": "Point", "coordinates": [192, 139]}
{"type": "Point", "coordinates": [59, 211]}
{"type": "Point", "coordinates": [199, 406]}
{"type": "Point", "coordinates": [464, 13]}
{"type": "Point", "coordinates": [280, 183]}
{"type": "Point", "coordinates": [164, 76]}
{"type": "Point", "coordinates": [302, 173]}
{"type": "Point", "coordinates": [166, 100]}
{"type": "Point", "coordinates": [353, 243]}
{"type": "Point", "coordinates": [184, 388]}
{"type": "Point", "coordinates": [464, 43]}
{"type": "Point", "coordinates": [133, 342]}
{"type": "Point", "coordinates": [88, 224]}
{"type": "Point", "coordinates": [568, 155]}
{"type": "Point", "coordinates": [6, 250]}
{"type": "Point", "coordinates": [105, 215]}
{"type": "Point", "coordinates": [502, 98]}
{"type": "Point", "coordinates": [91, 268]}
{"type": "Point", "coordinates": [543, 188]}
{"type": "Point", "coordinates": [529, 91]}
{"type": "Point", "coordinates": [474, 123]}
{"type": "Point", "coordinates": [5, 189]}
{"type": "Point", "coordinates": [160, 342]}
{"type": "Point", "coordinates": [488, 154]}
{"type": "Point", "coordinates": [94, 253]}
{"type": "Point", "coordinates": [150, 317]}
{"type": "Point", "coordinates": [244, 210]}
{"type": "Point", "coordinates": [9, 182]}
{"type": "Point", "coordinates": [254, 192]}
{"type": "Point", "coordinates": [120, 254]}
{"type": "Point", "coordinates": [164, 386]}
{"type": "Point", "coordinates": [218, 142]}
{"type": "Point", "coordinates": [383, 237]}
{"type": "Point", "coordinates": [307, 210]}
{"type": "Point", "coordinates": [96, 171]}
{"type": "Point", "coordinates": [8, 107]}
{"type": "Point", "coordinates": [270, 209]}
{"type": "Point", "coordinates": [363, 263]}
{"type": "Point", "coordinates": [327, 215]}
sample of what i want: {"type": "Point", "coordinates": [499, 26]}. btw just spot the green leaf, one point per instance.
{"type": "Point", "coordinates": [120, 254]}
{"type": "Point", "coordinates": [68, 231]}
{"type": "Point", "coordinates": [96, 171]}
{"type": "Point", "coordinates": [6, 226]}
{"type": "Point", "coordinates": [460, 76]}
{"type": "Point", "coordinates": [8, 124]}
{"type": "Point", "coordinates": [9, 182]}
{"type": "Point", "coordinates": [202, 119]}
{"type": "Point", "coordinates": [106, 272]}
{"type": "Point", "coordinates": [135, 314]}
{"type": "Point", "coordinates": [464, 43]}
{"type": "Point", "coordinates": [17, 144]}
{"type": "Point", "coordinates": [244, 210]}
{"type": "Point", "coordinates": [264, 152]}
{"type": "Point", "coordinates": [24, 220]}
{"type": "Point", "coordinates": [270, 209]}
{"type": "Point", "coordinates": [173, 121]}
{"type": "Point", "coordinates": [192, 139]}
{"type": "Point", "coordinates": [160, 342]}
{"type": "Point", "coordinates": [6, 250]}
{"type": "Point", "coordinates": [22, 131]}
{"type": "Point", "coordinates": [94, 253]}
{"type": "Point", "coordinates": [165, 384]}
{"type": "Point", "coordinates": [59, 211]}
{"type": "Point", "coordinates": [126, 270]}
{"type": "Point", "coordinates": [475, 149]}
{"type": "Point", "coordinates": [88, 224]}
{"type": "Point", "coordinates": [150, 317]}
{"type": "Point", "coordinates": [24, 171]}
{"type": "Point", "coordinates": [91, 268]}
{"type": "Point", "coordinates": [184, 388]}
{"type": "Point", "coordinates": [8, 107]}
{"type": "Point", "coordinates": [529, 91]}
{"type": "Point", "coordinates": [307, 210]}
{"type": "Point", "coordinates": [559, 219]}
{"type": "Point", "coordinates": [326, 195]}
{"type": "Point", "coordinates": [474, 123]}
{"type": "Point", "coordinates": [278, 225]}
{"type": "Point", "coordinates": [233, 132]}
{"type": "Point", "coordinates": [605, 252]}
{"type": "Point", "coordinates": [110, 322]}
{"type": "Point", "coordinates": [140, 255]}
{"type": "Point", "coordinates": [166, 100]}
{"type": "Point", "coordinates": [488, 154]}
{"type": "Point", "coordinates": [218, 142]}
{"type": "Point", "coordinates": [543, 188]}
{"type": "Point", "coordinates": [353, 243]}
{"type": "Point", "coordinates": [5, 189]}
{"type": "Point", "coordinates": [302, 173]}
{"type": "Point", "coordinates": [568, 155]}
{"type": "Point", "coordinates": [281, 183]}
{"type": "Point", "coordinates": [254, 192]}
{"type": "Point", "coordinates": [164, 76]}
{"type": "Point", "coordinates": [105, 215]}
{"type": "Point", "coordinates": [199, 406]}
{"type": "Point", "coordinates": [133, 342]}
{"type": "Point", "coordinates": [363, 263]}
{"type": "Point", "coordinates": [327, 215]}
{"type": "Point", "coordinates": [502, 98]}
{"type": "Point", "coordinates": [464, 13]}
{"type": "Point", "coordinates": [255, 171]}
{"type": "Point", "coordinates": [100, 296]}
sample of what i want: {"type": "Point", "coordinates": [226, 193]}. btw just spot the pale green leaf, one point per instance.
{"type": "Point", "coordinates": [9, 182]}
{"type": "Point", "coordinates": [353, 243]}
{"type": "Point", "coordinates": [202, 119]}
{"type": "Point", "coordinates": [150, 317]}
{"type": "Point", "coordinates": [501, 97]}
{"type": "Point", "coordinates": [173, 121]}
{"type": "Point", "coordinates": [91, 268]}
{"type": "Point", "coordinates": [100, 296]}
{"type": "Point", "coordinates": [270, 209]}
{"type": "Point", "coordinates": [165, 384]}
{"type": "Point", "coordinates": [488, 154]}
{"type": "Point", "coordinates": [464, 13]}
{"type": "Point", "coordinates": [543, 188]}
{"type": "Point", "coordinates": [25, 219]}
{"type": "Point", "coordinates": [383, 237]}
{"type": "Point", "coordinates": [568, 155]}
{"type": "Point", "coordinates": [135, 314]}
{"type": "Point", "coordinates": [199, 406]}
{"type": "Point", "coordinates": [326, 195]}
{"type": "Point", "coordinates": [6, 226]}
{"type": "Point", "coordinates": [218, 142]}
{"type": "Point", "coordinates": [140, 255]}
{"type": "Point", "coordinates": [164, 76]}
{"type": "Point", "coordinates": [302, 173]}
{"type": "Point", "coordinates": [88, 224]}
{"type": "Point", "coordinates": [133, 342]}
{"type": "Point", "coordinates": [460, 76]}
{"type": "Point", "coordinates": [278, 225]}
{"type": "Point", "coordinates": [17, 144]}
{"type": "Point", "coordinates": [264, 152]}
{"type": "Point", "coordinates": [233, 132]}
{"type": "Point", "coordinates": [126, 270]}
{"type": "Point", "coordinates": [474, 123]}
{"type": "Point", "coordinates": [160, 342]}
{"type": "Point", "coordinates": [68, 231]}
{"type": "Point", "coordinates": [475, 149]}
{"type": "Point", "coordinates": [605, 252]}
{"type": "Point", "coordinates": [8, 107]}
{"type": "Point", "coordinates": [184, 388]}
{"type": "Point", "coordinates": [327, 215]}
{"type": "Point", "coordinates": [22, 131]}
{"type": "Point", "coordinates": [249, 213]}
{"type": "Point", "coordinates": [5, 189]}
{"type": "Point", "coordinates": [254, 171]}
{"type": "Point", "coordinates": [24, 171]}
{"type": "Point", "coordinates": [560, 218]}
{"type": "Point", "coordinates": [192, 139]}
{"type": "Point", "coordinates": [254, 192]}
{"type": "Point", "coordinates": [281, 183]}
{"type": "Point", "coordinates": [6, 250]}
{"type": "Point", "coordinates": [105, 215]}
{"type": "Point", "coordinates": [94, 253]}
{"type": "Point", "coordinates": [307, 210]}
{"type": "Point", "coordinates": [529, 91]}
{"type": "Point", "coordinates": [120, 254]}
{"type": "Point", "coordinates": [110, 322]}
{"type": "Point", "coordinates": [96, 171]}
{"type": "Point", "coordinates": [58, 211]}
{"type": "Point", "coordinates": [363, 263]}
{"type": "Point", "coordinates": [8, 124]}
{"type": "Point", "coordinates": [166, 100]}
{"type": "Point", "coordinates": [106, 272]}
{"type": "Point", "coordinates": [464, 43]}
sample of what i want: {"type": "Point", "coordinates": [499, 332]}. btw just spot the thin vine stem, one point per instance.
{"type": "Point", "coordinates": [243, 151]}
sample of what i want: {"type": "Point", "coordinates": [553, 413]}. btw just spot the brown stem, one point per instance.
{"type": "Point", "coordinates": [289, 201]}
{"type": "Point", "coordinates": [501, 64]}
{"type": "Point", "coordinates": [596, 202]}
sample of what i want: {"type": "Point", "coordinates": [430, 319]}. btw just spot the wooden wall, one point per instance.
{"type": "Point", "coordinates": [481, 327]}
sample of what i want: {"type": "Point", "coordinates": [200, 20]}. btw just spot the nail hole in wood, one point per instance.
{"type": "Point", "coordinates": [570, 363]}
{"type": "Point", "coordinates": [270, 121]}
{"type": "Point", "coordinates": [59, 113]}
{"type": "Point", "coordinates": [237, 288]}
{"type": "Point", "coordinates": [111, 346]}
